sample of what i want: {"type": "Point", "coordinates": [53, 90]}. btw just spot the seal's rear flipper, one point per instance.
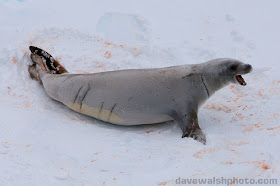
{"type": "Point", "coordinates": [33, 72]}
{"type": "Point", "coordinates": [38, 67]}
{"type": "Point", "coordinates": [50, 63]}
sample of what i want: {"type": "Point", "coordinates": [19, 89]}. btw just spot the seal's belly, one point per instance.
{"type": "Point", "coordinates": [120, 118]}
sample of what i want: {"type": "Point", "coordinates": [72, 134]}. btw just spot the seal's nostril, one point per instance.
{"type": "Point", "coordinates": [248, 67]}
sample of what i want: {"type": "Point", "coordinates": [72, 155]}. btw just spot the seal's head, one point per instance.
{"type": "Point", "coordinates": [218, 73]}
{"type": "Point", "coordinates": [229, 70]}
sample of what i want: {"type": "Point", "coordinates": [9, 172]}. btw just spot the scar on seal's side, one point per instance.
{"type": "Point", "coordinates": [139, 96]}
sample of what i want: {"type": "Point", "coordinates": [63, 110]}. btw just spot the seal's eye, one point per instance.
{"type": "Point", "coordinates": [233, 67]}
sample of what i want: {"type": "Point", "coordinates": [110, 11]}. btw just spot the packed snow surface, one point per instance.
{"type": "Point", "coordinates": [42, 142]}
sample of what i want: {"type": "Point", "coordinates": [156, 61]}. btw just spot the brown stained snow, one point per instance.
{"type": "Point", "coordinates": [274, 128]}
{"type": "Point", "coordinates": [252, 127]}
{"type": "Point", "coordinates": [149, 131]}
{"type": "Point", "coordinates": [14, 60]}
{"type": "Point", "coordinates": [107, 54]}
{"type": "Point", "coordinates": [167, 182]}
{"type": "Point", "coordinates": [239, 143]}
{"type": "Point", "coordinates": [258, 164]}
{"type": "Point", "coordinates": [200, 154]}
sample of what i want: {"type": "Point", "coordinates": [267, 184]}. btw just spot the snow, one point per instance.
{"type": "Point", "coordinates": [44, 143]}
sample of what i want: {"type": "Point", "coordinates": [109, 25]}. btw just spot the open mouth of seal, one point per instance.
{"type": "Point", "coordinates": [240, 80]}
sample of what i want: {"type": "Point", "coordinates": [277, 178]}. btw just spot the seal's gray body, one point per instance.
{"type": "Point", "coordinates": [143, 96]}
{"type": "Point", "coordinates": [130, 97]}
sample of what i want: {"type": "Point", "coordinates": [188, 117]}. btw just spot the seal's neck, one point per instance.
{"type": "Point", "coordinates": [214, 83]}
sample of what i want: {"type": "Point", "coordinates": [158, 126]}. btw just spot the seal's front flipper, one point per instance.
{"type": "Point", "coordinates": [52, 65]}
{"type": "Point", "coordinates": [189, 125]}
{"type": "Point", "coordinates": [196, 134]}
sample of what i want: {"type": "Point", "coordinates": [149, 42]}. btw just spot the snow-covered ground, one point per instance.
{"type": "Point", "coordinates": [44, 143]}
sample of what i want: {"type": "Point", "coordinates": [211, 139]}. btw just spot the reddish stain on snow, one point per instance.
{"type": "Point", "coordinates": [274, 128]}
{"type": "Point", "coordinates": [242, 143]}
{"type": "Point", "coordinates": [227, 162]}
{"type": "Point", "coordinates": [72, 119]}
{"type": "Point", "coordinates": [234, 152]}
{"type": "Point", "coordinates": [240, 116]}
{"type": "Point", "coordinates": [162, 183]}
{"type": "Point", "coordinates": [114, 178]}
{"type": "Point", "coordinates": [149, 131]}
{"type": "Point", "coordinates": [103, 170]}
{"type": "Point", "coordinates": [265, 167]}
{"type": "Point", "coordinates": [96, 153]}
{"type": "Point", "coordinates": [275, 89]}
{"type": "Point", "coordinates": [107, 43]}
{"type": "Point", "coordinates": [212, 107]}
{"type": "Point", "coordinates": [28, 105]}
{"type": "Point", "coordinates": [244, 108]}
{"type": "Point", "coordinates": [107, 54]}
{"type": "Point", "coordinates": [259, 164]}
{"type": "Point", "coordinates": [99, 64]}
{"type": "Point", "coordinates": [220, 107]}
{"type": "Point", "coordinates": [257, 125]}
{"type": "Point", "coordinates": [261, 92]}
{"type": "Point", "coordinates": [238, 96]}
{"type": "Point", "coordinates": [6, 143]}
{"type": "Point", "coordinates": [14, 60]}
{"type": "Point", "coordinates": [201, 153]}
{"type": "Point", "coordinates": [239, 143]}
{"type": "Point", "coordinates": [93, 161]}
{"type": "Point", "coordinates": [248, 129]}
{"type": "Point", "coordinates": [166, 182]}
{"type": "Point", "coordinates": [251, 127]}
{"type": "Point", "coordinates": [276, 115]}
{"type": "Point", "coordinates": [261, 153]}
{"type": "Point", "coordinates": [234, 181]}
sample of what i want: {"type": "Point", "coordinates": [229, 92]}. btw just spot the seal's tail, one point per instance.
{"type": "Point", "coordinates": [49, 63]}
